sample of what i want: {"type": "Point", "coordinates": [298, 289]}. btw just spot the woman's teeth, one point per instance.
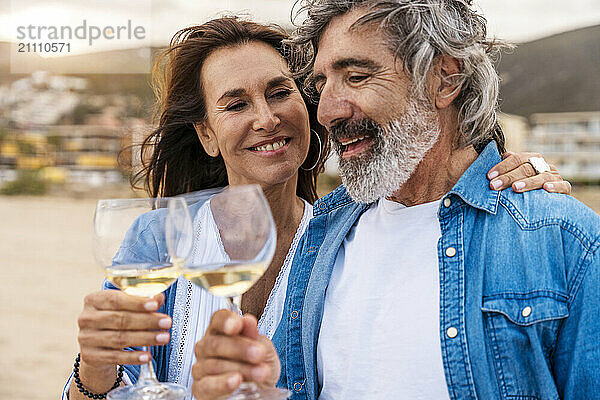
{"type": "Point", "coordinates": [270, 146]}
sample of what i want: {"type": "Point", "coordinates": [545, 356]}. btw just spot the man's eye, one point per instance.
{"type": "Point", "coordinates": [357, 78]}
{"type": "Point", "coordinates": [236, 106]}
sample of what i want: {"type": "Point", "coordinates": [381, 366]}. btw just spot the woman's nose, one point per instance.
{"type": "Point", "coordinates": [266, 119]}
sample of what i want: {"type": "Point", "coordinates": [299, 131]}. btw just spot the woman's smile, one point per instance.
{"type": "Point", "coordinates": [271, 147]}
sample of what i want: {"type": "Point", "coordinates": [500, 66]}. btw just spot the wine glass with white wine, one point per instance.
{"type": "Point", "coordinates": [113, 232]}
{"type": "Point", "coordinates": [235, 240]}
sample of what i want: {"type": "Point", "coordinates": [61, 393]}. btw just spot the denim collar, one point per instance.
{"type": "Point", "coordinates": [473, 187]}
{"type": "Point", "coordinates": [337, 198]}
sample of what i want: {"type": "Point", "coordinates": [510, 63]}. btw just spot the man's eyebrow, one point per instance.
{"type": "Point", "coordinates": [343, 63]}
{"type": "Point", "coordinates": [356, 62]}
{"type": "Point", "coordinates": [272, 83]}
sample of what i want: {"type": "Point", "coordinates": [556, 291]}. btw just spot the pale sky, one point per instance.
{"type": "Point", "coordinates": [515, 20]}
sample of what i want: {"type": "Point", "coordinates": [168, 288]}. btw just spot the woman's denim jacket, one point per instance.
{"type": "Point", "coordinates": [521, 287]}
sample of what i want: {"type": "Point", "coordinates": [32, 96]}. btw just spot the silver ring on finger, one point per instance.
{"type": "Point", "coordinates": [539, 164]}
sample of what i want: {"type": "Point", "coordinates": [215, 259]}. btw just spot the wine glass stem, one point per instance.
{"type": "Point", "coordinates": [147, 375]}
{"type": "Point", "coordinates": [235, 304]}
{"type": "Point", "coordinates": [246, 390]}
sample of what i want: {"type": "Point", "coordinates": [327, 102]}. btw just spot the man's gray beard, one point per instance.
{"type": "Point", "coordinates": [398, 149]}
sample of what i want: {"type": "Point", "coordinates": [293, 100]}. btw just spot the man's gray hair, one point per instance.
{"type": "Point", "coordinates": [417, 32]}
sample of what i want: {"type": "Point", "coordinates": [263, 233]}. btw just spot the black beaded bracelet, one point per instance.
{"type": "Point", "coordinates": [86, 392]}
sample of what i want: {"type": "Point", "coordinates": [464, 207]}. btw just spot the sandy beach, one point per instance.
{"type": "Point", "coordinates": [47, 269]}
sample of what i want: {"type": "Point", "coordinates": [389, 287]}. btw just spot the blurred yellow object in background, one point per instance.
{"type": "Point", "coordinates": [97, 161]}
{"type": "Point", "coordinates": [33, 162]}
{"type": "Point", "coordinates": [54, 175]}
{"type": "Point", "coordinates": [9, 149]}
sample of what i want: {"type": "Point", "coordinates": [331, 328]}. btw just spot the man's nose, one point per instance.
{"type": "Point", "coordinates": [266, 118]}
{"type": "Point", "coordinates": [333, 107]}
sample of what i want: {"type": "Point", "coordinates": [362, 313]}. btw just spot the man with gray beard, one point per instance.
{"type": "Point", "coordinates": [414, 280]}
{"type": "Point", "coordinates": [397, 150]}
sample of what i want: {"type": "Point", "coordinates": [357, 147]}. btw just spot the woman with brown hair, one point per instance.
{"type": "Point", "coordinates": [230, 113]}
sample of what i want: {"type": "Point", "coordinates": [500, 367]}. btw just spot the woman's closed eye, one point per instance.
{"type": "Point", "coordinates": [280, 93]}
{"type": "Point", "coordinates": [236, 106]}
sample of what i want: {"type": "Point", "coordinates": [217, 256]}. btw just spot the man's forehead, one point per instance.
{"type": "Point", "coordinates": [338, 55]}
{"type": "Point", "coordinates": [343, 39]}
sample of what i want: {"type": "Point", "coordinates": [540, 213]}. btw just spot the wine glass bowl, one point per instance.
{"type": "Point", "coordinates": [235, 240]}
{"type": "Point", "coordinates": [116, 227]}
{"type": "Point", "coordinates": [144, 279]}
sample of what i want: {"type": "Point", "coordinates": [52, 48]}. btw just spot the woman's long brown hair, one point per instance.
{"type": "Point", "coordinates": [173, 160]}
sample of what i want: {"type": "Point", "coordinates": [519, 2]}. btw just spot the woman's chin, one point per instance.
{"type": "Point", "coordinates": [277, 177]}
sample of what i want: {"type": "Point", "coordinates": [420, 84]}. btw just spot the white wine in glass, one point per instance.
{"type": "Point", "coordinates": [143, 280]}
{"type": "Point", "coordinates": [229, 279]}
{"type": "Point", "coordinates": [113, 231]}
{"type": "Point", "coordinates": [233, 250]}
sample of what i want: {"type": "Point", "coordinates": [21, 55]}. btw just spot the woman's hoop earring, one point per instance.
{"type": "Point", "coordinates": [320, 151]}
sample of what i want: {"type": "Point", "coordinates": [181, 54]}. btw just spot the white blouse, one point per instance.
{"type": "Point", "coordinates": [194, 306]}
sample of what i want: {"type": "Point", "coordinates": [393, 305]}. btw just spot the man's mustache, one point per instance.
{"type": "Point", "coordinates": [350, 129]}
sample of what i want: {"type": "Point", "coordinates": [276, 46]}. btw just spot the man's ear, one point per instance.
{"type": "Point", "coordinates": [207, 139]}
{"type": "Point", "coordinates": [448, 81]}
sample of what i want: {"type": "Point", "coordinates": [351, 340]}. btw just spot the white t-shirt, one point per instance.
{"type": "Point", "coordinates": [379, 337]}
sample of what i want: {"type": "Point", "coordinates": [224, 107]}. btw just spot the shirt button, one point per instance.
{"type": "Point", "coordinates": [297, 386]}
{"type": "Point", "coordinates": [450, 251]}
{"type": "Point", "coordinates": [526, 312]}
{"type": "Point", "coordinates": [452, 332]}
{"type": "Point", "coordinates": [294, 314]}
{"type": "Point", "coordinates": [447, 202]}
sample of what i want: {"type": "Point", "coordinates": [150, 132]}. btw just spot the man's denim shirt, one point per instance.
{"type": "Point", "coordinates": [521, 287]}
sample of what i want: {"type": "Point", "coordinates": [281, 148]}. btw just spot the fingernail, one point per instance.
{"type": "Point", "coordinates": [233, 382]}
{"type": "Point", "coordinates": [162, 337]}
{"type": "Point", "coordinates": [151, 305]}
{"type": "Point", "coordinates": [254, 353]}
{"type": "Point", "coordinates": [549, 186]}
{"type": "Point", "coordinates": [493, 174]}
{"type": "Point", "coordinates": [519, 185]}
{"type": "Point", "coordinates": [497, 184]}
{"type": "Point", "coordinates": [229, 325]}
{"type": "Point", "coordinates": [144, 358]}
{"type": "Point", "coordinates": [164, 323]}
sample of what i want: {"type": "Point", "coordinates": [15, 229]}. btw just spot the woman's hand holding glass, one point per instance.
{"type": "Point", "coordinates": [111, 321]}
{"type": "Point", "coordinates": [131, 313]}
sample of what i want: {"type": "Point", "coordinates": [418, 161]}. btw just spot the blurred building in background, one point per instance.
{"type": "Point", "coordinates": [68, 131]}
{"type": "Point", "coordinates": [549, 92]}
{"type": "Point", "coordinates": [571, 141]}
{"type": "Point", "coordinates": [516, 131]}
